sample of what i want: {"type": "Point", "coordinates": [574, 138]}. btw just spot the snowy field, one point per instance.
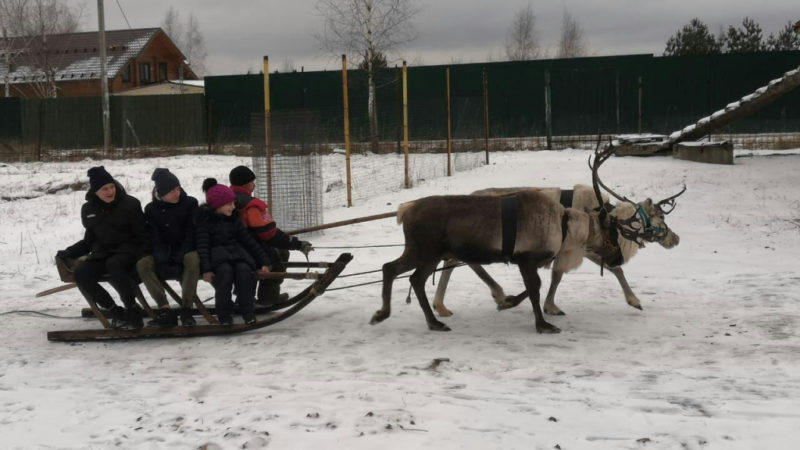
{"type": "Point", "coordinates": [713, 360]}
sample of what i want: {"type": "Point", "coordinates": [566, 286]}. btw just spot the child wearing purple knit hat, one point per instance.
{"type": "Point", "coordinates": [228, 253]}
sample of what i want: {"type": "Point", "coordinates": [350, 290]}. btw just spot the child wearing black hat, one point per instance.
{"type": "Point", "coordinates": [115, 238]}
{"type": "Point", "coordinates": [170, 219]}
{"type": "Point", "coordinates": [255, 216]}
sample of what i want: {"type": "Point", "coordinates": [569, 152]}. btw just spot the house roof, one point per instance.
{"type": "Point", "coordinates": [74, 56]}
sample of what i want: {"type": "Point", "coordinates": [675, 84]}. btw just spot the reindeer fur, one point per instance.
{"type": "Point", "coordinates": [468, 228]}
{"type": "Point", "coordinates": [583, 199]}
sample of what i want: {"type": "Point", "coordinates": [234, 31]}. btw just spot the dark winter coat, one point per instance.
{"type": "Point", "coordinates": [172, 227]}
{"type": "Point", "coordinates": [222, 239]}
{"type": "Point", "coordinates": [111, 228]}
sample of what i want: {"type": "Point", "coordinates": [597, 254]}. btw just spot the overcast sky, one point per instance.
{"type": "Point", "coordinates": [239, 32]}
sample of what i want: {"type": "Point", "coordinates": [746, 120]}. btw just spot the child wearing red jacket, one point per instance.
{"type": "Point", "coordinates": [255, 215]}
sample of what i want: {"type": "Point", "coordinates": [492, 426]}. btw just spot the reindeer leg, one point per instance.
{"type": "Point", "coordinates": [444, 279]}
{"type": "Point", "coordinates": [500, 298]}
{"type": "Point", "coordinates": [528, 269]}
{"type": "Point", "coordinates": [630, 297]}
{"type": "Point", "coordinates": [390, 271]}
{"type": "Point", "coordinates": [418, 283]}
{"type": "Point", "coordinates": [549, 302]}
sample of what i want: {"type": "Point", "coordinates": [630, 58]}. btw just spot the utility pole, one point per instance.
{"type": "Point", "coordinates": [104, 77]}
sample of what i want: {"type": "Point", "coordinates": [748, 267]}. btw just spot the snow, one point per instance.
{"type": "Point", "coordinates": [701, 143]}
{"type": "Point", "coordinates": [713, 360]}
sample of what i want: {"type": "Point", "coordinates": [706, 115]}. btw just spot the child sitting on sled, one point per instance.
{"type": "Point", "coordinates": [228, 253]}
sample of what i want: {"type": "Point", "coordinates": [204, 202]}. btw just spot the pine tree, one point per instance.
{"type": "Point", "coordinates": [787, 39]}
{"type": "Point", "coordinates": [745, 39]}
{"type": "Point", "coordinates": [693, 39]}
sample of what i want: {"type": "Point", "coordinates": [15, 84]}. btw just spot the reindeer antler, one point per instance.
{"type": "Point", "coordinates": [599, 159]}
{"type": "Point", "coordinates": [669, 202]}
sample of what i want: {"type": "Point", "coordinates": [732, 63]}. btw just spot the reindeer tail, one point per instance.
{"type": "Point", "coordinates": [402, 209]}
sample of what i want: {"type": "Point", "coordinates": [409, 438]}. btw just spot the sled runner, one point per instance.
{"type": "Point", "coordinates": [276, 313]}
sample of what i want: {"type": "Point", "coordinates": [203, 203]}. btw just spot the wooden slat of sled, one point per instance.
{"type": "Point", "coordinates": [299, 302]}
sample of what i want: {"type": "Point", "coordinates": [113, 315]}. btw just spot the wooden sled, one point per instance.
{"type": "Point", "coordinates": [292, 306]}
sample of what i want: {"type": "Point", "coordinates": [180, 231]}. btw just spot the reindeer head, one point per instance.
{"type": "Point", "coordinates": [644, 221]}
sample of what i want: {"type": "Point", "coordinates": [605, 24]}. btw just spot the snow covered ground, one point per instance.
{"type": "Point", "coordinates": [713, 361]}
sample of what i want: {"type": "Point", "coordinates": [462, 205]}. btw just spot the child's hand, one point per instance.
{"type": "Point", "coordinates": [263, 270]}
{"type": "Point", "coordinates": [306, 247]}
{"type": "Point", "coordinates": [208, 277]}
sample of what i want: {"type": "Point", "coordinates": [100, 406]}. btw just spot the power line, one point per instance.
{"type": "Point", "coordinates": [123, 14]}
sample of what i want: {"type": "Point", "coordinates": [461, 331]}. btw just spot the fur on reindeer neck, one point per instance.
{"type": "Point", "coordinates": [580, 231]}
{"type": "Point", "coordinates": [624, 210]}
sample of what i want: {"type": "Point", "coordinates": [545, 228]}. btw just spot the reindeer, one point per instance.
{"type": "Point", "coordinates": [582, 198]}
{"type": "Point", "coordinates": [470, 228]}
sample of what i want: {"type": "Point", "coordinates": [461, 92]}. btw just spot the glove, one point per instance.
{"type": "Point", "coordinates": [62, 255]}
{"type": "Point", "coordinates": [306, 247]}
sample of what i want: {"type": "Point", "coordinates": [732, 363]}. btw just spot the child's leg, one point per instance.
{"type": "Point", "coordinates": [146, 267]}
{"type": "Point", "coordinates": [223, 283]}
{"type": "Point", "coordinates": [87, 274]}
{"type": "Point", "coordinates": [190, 277]}
{"type": "Point", "coordinates": [120, 268]}
{"type": "Point", "coordinates": [245, 287]}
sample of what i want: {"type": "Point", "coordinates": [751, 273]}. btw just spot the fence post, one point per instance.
{"type": "Point", "coordinates": [639, 112]}
{"type": "Point", "coordinates": [407, 182]}
{"type": "Point", "coordinates": [346, 106]}
{"type": "Point", "coordinates": [548, 120]}
{"type": "Point", "coordinates": [449, 143]}
{"type": "Point", "coordinates": [616, 99]}
{"type": "Point", "coordinates": [267, 130]}
{"type": "Point", "coordinates": [486, 115]}
{"type": "Point", "coordinates": [40, 130]}
{"type": "Point", "coordinates": [209, 122]}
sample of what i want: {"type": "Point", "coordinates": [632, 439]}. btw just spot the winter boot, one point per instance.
{"type": "Point", "coordinates": [116, 314]}
{"type": "Point", "coordinates": [187, 319]}
{"type": "Point", "coordinates": [269, 293]}
{"type": "Point", "coordinates": [225, 320]}
{"type": "Point", "coordinates": [165, 318]}
{"type": "Point", "coordinates": [249, 318]}
{"type": "Point", "coordinates": [132, 319]}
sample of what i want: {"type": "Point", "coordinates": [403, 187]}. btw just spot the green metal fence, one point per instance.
{"type": "Point", "coordinates": [617, 94]}
{"type": "Point", "coordinates": [36, 129]}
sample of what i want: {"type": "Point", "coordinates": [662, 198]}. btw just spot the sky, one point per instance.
{"type": "Point", "coordinates": [239, 33]}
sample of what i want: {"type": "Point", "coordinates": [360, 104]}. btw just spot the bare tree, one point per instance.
{"type": "Point", "coordinates": [27, 24]}
{"type": "Point", "coordinates": [572, 43]}
{"type": "Point", "coordinates": [366, 30]}
{"type": "Point", "coordinates": [188, 37]}
{"type": "Point", "coordinates": [523, 38]}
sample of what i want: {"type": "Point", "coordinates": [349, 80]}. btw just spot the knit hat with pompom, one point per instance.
{"type": "Point", "coordinates": [217, 195]}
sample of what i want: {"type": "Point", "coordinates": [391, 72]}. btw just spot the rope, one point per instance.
{"type": "Point", "coordinates": [359, 273]}
{"type": "Point", "coordinates": [37, 313]}
{"type": "Point", "coordinates": [364, 246]}
{"type": "Point", "coordinates": [363, 284]}
{"type": "Point", "coordinates": [381, 281]}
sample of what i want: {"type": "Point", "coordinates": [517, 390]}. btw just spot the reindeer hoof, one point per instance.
{"type": "Point", "coordinates": [546, 328]}
{"type": "Point", "coordinates": [378, 317]}
{"type": "Point", "coordinates": [510, 301]}
{"type": "Point", "coordinates": [555, 312]}
{"type": "Point", "coordinates": [443, 312]}
{"type": "Point", "coordinates": [438, 326]}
